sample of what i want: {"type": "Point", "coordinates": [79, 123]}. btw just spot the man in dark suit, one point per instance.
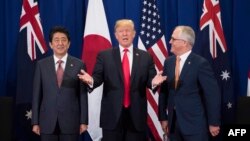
{"type": "Point", "coordinates": [59, 106]}
{"type": "Point", "coordinates": [189, 101]}
{"type": "Point", "coordinates": [125, 72]}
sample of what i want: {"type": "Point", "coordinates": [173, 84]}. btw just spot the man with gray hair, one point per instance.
{"type": "Point", "coordinates": [191, 94]}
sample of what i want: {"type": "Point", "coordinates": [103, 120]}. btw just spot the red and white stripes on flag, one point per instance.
{"type": "Point", "coordinates": [30, 19]}
{"type": "Point", "coordinates": [151, 38]}
{"type": "Point", "coordinates": [96, 38]}
{"type": "Point", "coordinates": [248, 84]}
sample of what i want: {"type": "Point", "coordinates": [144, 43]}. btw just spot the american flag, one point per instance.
{"type": "Point", "coordinates": [151, 38]}
{"type": "Point", "coordinates": [213, 46]}
{"type": "Point", "coordinates": [30, 19]}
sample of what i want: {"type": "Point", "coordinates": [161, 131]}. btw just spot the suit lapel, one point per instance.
{"type": "Point", "coordinates": [171, 68]}
{"type": "Point", "coordinates": [68, 66]}
{"type": "Point", "coordinates": [52, 70]}
{"type": "Point", "coordinates": [117, 58]}
{"type": "Point", "coordinates": [186, 67]}
{"type": "Point", "coordinates": [136, 58]}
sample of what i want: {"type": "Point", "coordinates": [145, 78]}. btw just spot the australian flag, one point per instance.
{"type": "Point", "coordinates": [211, 44]}
{"type": "Point", "coordinates": [31, 47]}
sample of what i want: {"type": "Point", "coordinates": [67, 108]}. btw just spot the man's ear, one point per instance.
{"type": "Point", "coordinates": [50, 44]}
{"type": "Point", "coordinates": [134, 34]}
{"type": "Point", "coordinates": [116, 36]}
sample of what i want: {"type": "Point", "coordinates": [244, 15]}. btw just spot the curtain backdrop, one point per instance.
{"type": "Point", "coordinates": [71, 14]}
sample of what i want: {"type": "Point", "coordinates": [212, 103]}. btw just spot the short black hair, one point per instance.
{"type": "Point", "coordinates": [59, 29]}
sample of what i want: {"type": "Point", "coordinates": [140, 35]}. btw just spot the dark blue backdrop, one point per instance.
{"type": "Point", "coordinates": [71, 13]}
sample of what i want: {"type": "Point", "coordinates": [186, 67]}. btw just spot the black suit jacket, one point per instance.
{"type": "Point", "coordinates": [197, 99]}
{"type": "Point", "coordinates": [108, 70]}
{"type": "Point", "coordinates": [68, 104]}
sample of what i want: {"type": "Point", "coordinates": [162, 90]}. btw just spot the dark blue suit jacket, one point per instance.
{"type": "Point", "coordinates": [108, 70]}
{"type": "Point", "coordinates": [197, 99]}
{"type": "Point", "coordinates": [68, 104]}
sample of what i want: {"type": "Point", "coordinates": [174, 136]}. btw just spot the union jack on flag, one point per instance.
{"type": "Point", "coordinates": [30, 19]}
{"type": "Point", "coordinates": [212, 44]}
{"type": "Point", "coordinates": [151, 39]}
{"type": "Point", "coordinates": [211, 17]}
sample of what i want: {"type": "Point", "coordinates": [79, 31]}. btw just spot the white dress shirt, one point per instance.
{"type": "Point", "coordinates": [64, 59]}
{"type": "Point", "coordinates": [183, 59]}
{"type": "Point", "coordinates": [129, 54]}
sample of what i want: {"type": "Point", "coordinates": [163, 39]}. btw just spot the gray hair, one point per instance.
{"type": "Point", "coordinates": [123, 22]}
{"type": "Point", "coordinates": [187, 34]}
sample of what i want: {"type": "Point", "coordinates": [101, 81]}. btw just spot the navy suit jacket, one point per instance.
{"type": "Point", "coordinates": [108, 70]}
{"type": "Point", "coordinates": [66, 105]}
{"type": "Point", "coordinates": [197, 99]}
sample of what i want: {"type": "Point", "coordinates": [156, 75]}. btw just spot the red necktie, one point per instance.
{"type": "Point", "coordinates": [177, 70]}
{"type": "Point", "coordinates": [126, 76]}
{"type": "Point", "coordinates": [59, 73]}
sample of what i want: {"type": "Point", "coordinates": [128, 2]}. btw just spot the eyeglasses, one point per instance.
{"type": "Point", "coordinates": [175, 39]}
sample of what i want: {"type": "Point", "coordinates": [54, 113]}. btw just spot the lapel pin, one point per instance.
{"type": "Point", "coordinates": [71, 65]}
{"type": "Point", "coordinates": [137, 54]}
{"type": "Point", "coordinates": [189, 62]}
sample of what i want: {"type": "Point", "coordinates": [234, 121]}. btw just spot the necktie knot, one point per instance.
{"type": "Point", "coordinates": [178, 58]}
{"type": "Point", "coordinates": [59, 62]}
{"type": "Point", "coordinates": [125, 50]}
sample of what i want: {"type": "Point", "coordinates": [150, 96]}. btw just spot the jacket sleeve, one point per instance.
{"type": "Point", "coordinates": [163, 97]}
{"type": "Point", "coordinates": [212, 95]}
{"type": "Point", "coordinates": [83, 100]}
{"type": "Point", "coordinates": [37, 94]}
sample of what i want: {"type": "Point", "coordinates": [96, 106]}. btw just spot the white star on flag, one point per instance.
{"type": "Point", "coordinates": [229, 105]}
{"type": "Point", "coordinates": [29, 114]}
{"type": "Point", "coordinates": [225, 75]}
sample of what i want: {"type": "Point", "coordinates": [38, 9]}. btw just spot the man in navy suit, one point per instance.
{"type": "Point", "coordinates": [124, 101]}
{"type": "Point", "coordinates": [59, 106]}
{"type": "Point", "coordinates": [189, 101]}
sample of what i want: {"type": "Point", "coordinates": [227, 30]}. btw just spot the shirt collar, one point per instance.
{"type": "Point", "coordinates": [130, 49]}
{"type": "Point", "coordinates": [185, 56]}
{"type": "Point", "coordinates": [64, 58]}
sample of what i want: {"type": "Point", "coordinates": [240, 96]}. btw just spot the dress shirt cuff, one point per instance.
{"type": "Point", "coordinates": [92, 84]}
